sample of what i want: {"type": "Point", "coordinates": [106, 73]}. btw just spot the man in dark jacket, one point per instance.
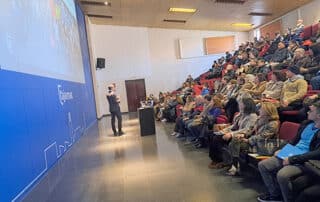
{"type": "Point", "coordinates": [280, 55]}
{"type": "Point", "coordinates": [276, 173]}
{"type": "Point", "coordinates": [114, 108]}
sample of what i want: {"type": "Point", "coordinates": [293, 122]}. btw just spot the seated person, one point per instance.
{"type": "Point", "coordinates": [311, 72]}
{"type": "Point", "coordinates": [197, 119]}
{"type": "Point", "coordinates": [259, 87]}
{"type": "Point", "coordinates": [189, 79]}
{"type": "Point", "coordinates": [169, 109]}
{"type": "Point", "coordinates": [187, 109]}
{"type": "Point", "coordinates": [222, 88]}
{"type": "Point", "coordinates": [266, 127]}
{"type": "Point", "coordinates": [230, 72]}
{"type": "Point", "coordinates": [231, 104]}
{"type": "Point", "coordinates": [277, 172]}
{"type": "Point", "coordinates": [251, 68]}
{"type": "Point", "coordinates": [249, 83]}
{"type": "Point", "coordinates": [200, 132]}
{"type": "Point", "coordinates": [188, 119]}
{"type": "Point", "coordinates": [262, 67]}
{"type": "Point", "coordinates": [280, 55]}
{"type": "Point", "coordinates": [294, 89]}
{"type": "Point", "coordinates": [205, 90]}
{"type": "Point", "coordinates": [299, 27]}
{"type": "Point", "coordinates": [274, 88]}
{"type": "Point", "coordinates": [243, 124]}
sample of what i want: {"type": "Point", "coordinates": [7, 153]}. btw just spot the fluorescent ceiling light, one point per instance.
{"type": "Point", "coordinates": [183, 10]}
{"type": "Point", "coordinates": [242, 24]}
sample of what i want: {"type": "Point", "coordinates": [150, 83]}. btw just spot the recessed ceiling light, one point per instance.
{"type": "Point", "coordinates": [183, 10]}
{"type": "Point", "coordinates": [242, 24]}
{"type": "Point", "coordinates": [106, 3]}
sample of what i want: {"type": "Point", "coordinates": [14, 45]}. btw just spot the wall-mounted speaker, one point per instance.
{"type": "Point", "coordinates": [101, 63]}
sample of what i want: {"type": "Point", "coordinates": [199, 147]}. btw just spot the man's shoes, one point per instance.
{"type": "Point", "coordinates": [268, 198]}
{"type": "Point", "coordinates": [120, 133]}
{"type": "Point", "coordinates": [179, 135]}
{"type": "Point", "coordinates": [218, 165]}
{"type": "Point", "coordinates": [212, 164]}
{"type": "Point", "coordinates": [200, 145]}
{"type": "Point", "coordinates": [115, 134]}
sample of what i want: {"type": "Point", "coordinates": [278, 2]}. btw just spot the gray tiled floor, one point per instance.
{"type": "Point", "coordinates": [101, 167]}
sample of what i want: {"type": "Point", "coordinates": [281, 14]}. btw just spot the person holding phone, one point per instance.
{"type": "Point", "coordinates": [115, 111]}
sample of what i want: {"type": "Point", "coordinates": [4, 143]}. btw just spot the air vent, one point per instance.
{"type": "Point", "coordinates": [100, 16]}
{"type": "Point", "coordinates": [231, 1]}
{"type": "Point", "coordinates": [95, 3]}
{"type": "Point", "coordinates": [176, 21]}
{"type": "Point", "coordinates": [260, 14]}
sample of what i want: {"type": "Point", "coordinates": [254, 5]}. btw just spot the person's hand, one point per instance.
{"type": "Point", "coordinates": [303, 70]}
{"type": "Point", "coordinates": [245, 140]}
{"type": "Point", "coordinates": [227, 136]}
{"type": "Point", "coordinates": [239, 136]}
{"type": "Point", "coordinates": [284, 103]}
{"type": "Point", "coordinates": [285, 162]}
{"type": "Point", "coordinates": [313, 96]}
{"type": "Point", "coordinates": [276, 153]}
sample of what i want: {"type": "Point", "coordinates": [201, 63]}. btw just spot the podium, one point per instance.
{"type": "Point", "coordinates": [146, 120]}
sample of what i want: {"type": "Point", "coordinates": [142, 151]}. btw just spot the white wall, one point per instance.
{"type": "Point", "coordinates": [149, 53]}
{"type": "Point", "coordinates": [309, 13]}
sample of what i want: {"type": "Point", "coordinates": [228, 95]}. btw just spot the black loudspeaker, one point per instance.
{"type": "Point", "coordinates": [146, 119]}
{"type": "Point", "coordinates": [101, 63]}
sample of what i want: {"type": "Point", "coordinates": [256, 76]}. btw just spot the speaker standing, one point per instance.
{"type": "Point", "coordinates": [114, 108]}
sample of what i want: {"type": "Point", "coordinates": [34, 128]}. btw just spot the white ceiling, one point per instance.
{"type": "Point", "coordinates": [209, 16]}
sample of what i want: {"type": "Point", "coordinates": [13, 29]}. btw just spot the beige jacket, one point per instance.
{"type": "Point", "coordinates": [273, 90]}
{"type": "Point", "coordinates": [294, 89]}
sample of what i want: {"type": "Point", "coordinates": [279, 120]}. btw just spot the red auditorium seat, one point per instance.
{"type": "Point", "coordinates": [288, 130]}
{"type": "Point", "coordinates": [315, 29]}
{"type": "Point", "coordinates": [296, 112]}
{"type": "Point", "coordinates": [222, 119]}
{"type": "Point", "coordinates": [179, 110]}
{"type": "Point", "coordinates": [197, 89]}
{"type": "Point", "coordinates": [307, 32]}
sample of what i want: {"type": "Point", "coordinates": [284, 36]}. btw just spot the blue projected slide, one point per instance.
{"type": "Point", "coordinates": [41, 37]}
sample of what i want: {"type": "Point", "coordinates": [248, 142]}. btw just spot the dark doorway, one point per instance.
{"type": "Point", "coordinates": [136, 92]}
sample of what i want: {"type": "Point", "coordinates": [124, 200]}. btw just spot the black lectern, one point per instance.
{"type": "Point", "coordinates": [146, 119]}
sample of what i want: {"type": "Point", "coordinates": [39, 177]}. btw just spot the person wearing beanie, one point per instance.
{"type": "Point", "coordinates": [294, 89]}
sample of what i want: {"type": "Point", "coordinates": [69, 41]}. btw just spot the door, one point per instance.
{"type": "Point", "coordinates": [136, 92]}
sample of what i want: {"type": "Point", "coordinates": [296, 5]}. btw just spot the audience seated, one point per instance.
{"type": "Point", "coordinates": [244, 80]}
{"type": "Point", "coordinates": [265, 129]}
{"type": "Point", "coordinates": [274, 88]}
{"type": "Point", "coordinates": [199, 133]}
{"type": "Point", "coordinates": [277, 173]}
{"type": "Point", "coordinates": [260, 85]}
{"type": "Point", "coordinates": [243, 124]}
{"type": "Point", "coordinates": [279, 55]}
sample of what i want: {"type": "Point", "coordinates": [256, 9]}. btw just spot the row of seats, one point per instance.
{"type": "Point", "coordinates": [310, 31]}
